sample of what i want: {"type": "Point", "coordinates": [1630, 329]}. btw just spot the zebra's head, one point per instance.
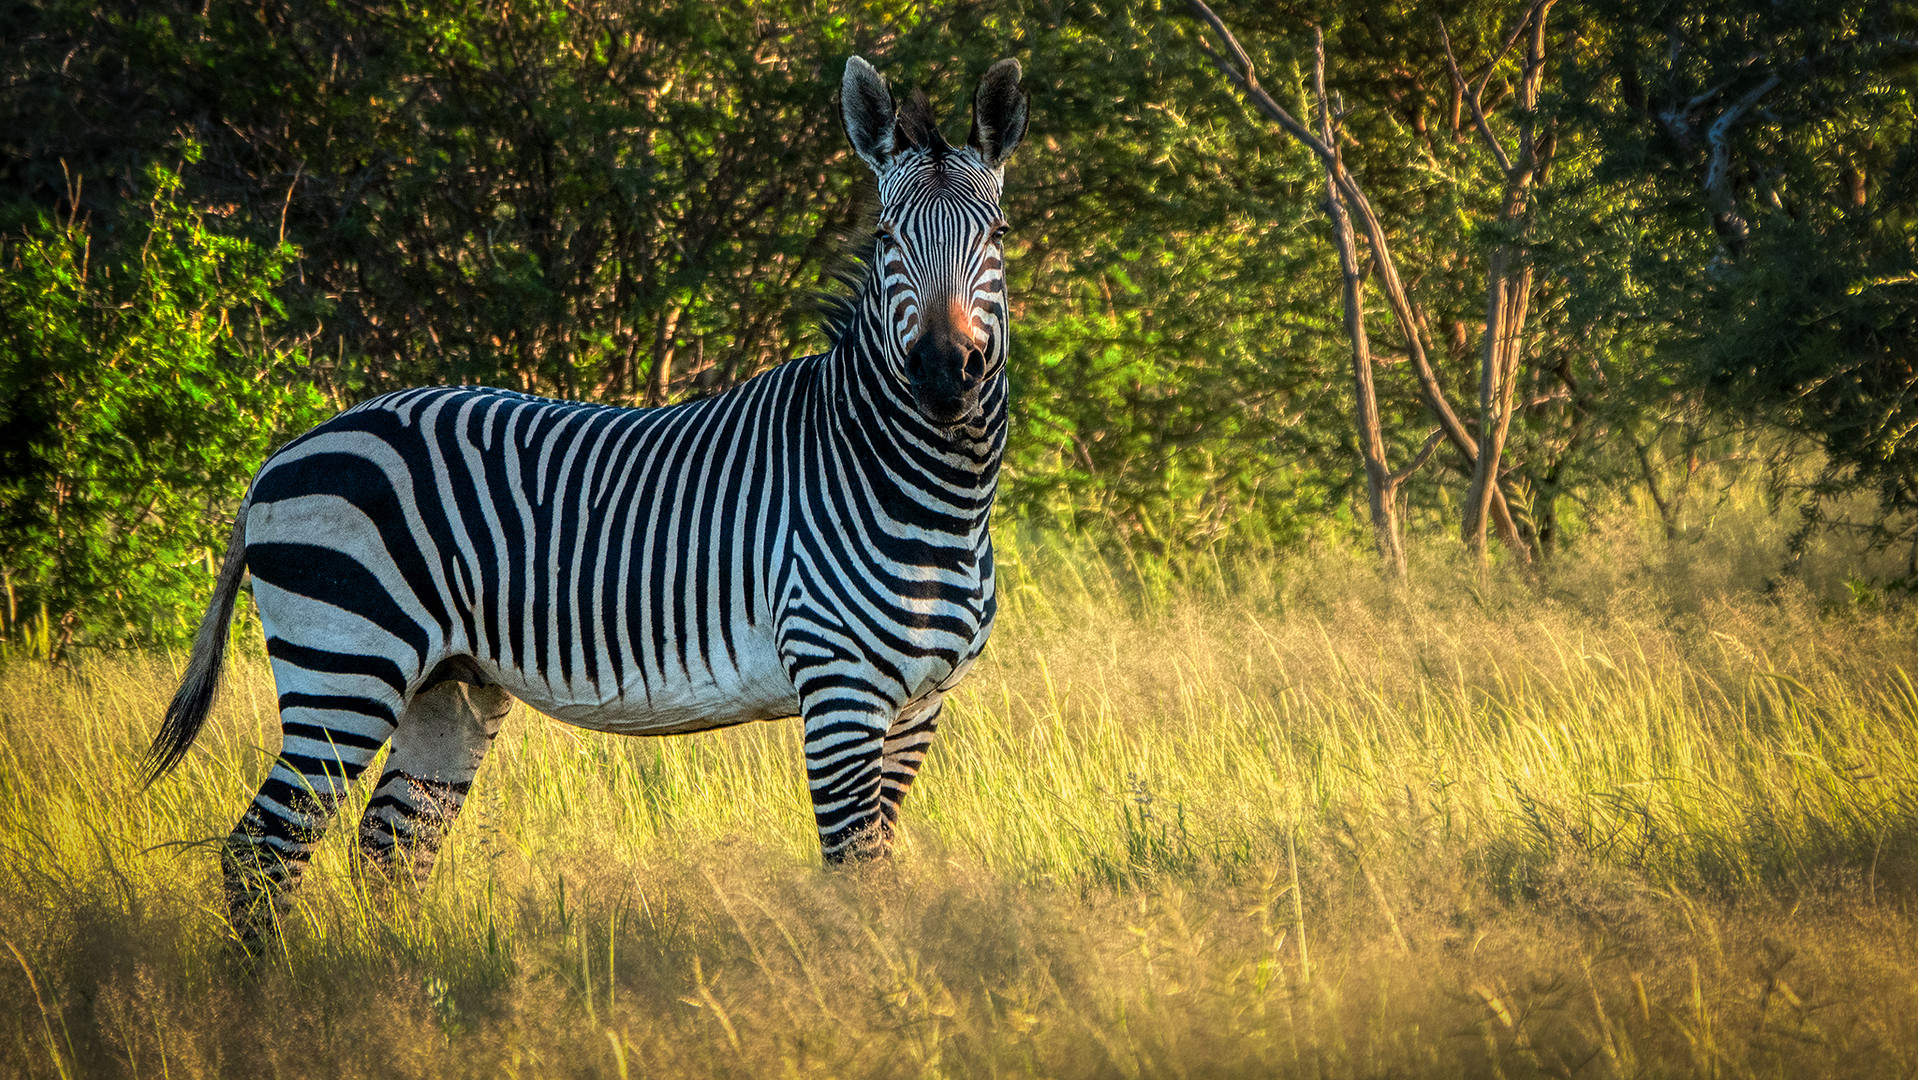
{"type": "Point", "coordinates": [938, 247]}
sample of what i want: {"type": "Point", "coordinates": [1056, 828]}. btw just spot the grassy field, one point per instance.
{"type": "Point", "coordinates": [1648, 817]}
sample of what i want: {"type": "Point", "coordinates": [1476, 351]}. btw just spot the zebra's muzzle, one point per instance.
{"type": "Point", "coordinates": [946, 373]}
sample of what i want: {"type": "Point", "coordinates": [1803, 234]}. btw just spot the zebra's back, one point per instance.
{"type": "Point", "coordinates": [610, 567]}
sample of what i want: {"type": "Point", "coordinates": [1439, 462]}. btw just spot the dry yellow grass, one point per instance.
{"type": "Point", "coordinates": [1644, 819]}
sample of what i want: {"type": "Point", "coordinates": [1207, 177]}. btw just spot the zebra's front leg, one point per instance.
{"type": "Point", "coordinates": [442, 737]}
{"type": "Point", "coordinates": [845, 758]}
{"type": "Point", "coordinates": [905, 750]}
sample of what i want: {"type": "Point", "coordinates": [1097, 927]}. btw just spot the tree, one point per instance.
{"type": "Point", "coordinates": [1508, 294]}
{"type": "Point", "coordinates": [1759, 159]}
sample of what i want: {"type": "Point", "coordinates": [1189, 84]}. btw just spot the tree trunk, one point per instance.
{"type": "Point", "coordinates": [1508, 278]}
{"type": "Point", "coordinates": [1381, 485]}
{"type": "Point", "coordinates": [663, 330]}
{"type": "Point", "coordinates": [1507, 301]}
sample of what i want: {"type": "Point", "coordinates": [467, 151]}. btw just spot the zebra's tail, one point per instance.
{"type": "Point", "coordinates": [187, 713]}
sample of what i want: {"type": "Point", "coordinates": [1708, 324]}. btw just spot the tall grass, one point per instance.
{"type": "Point", "coordinates": [1652, 814]}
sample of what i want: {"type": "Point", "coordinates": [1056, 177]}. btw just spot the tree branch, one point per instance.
{"type": "Point", "coordinates": [1546, 398]}
{"type": "Point", "coordinates": [1471, 93]}
{"type": "Point", "coordinates": [1432, 443]}
{"type": "Point", "coordinates": [1511, 39]}
{"type": "Point", "coordinates": [1720, 133]}
{"type": "Point", "coordinates": [1727, 222]}
{"type": "Point", "coordinates": [1245, 78]}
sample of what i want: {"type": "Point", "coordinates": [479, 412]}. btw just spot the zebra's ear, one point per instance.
{"type": "Point", "coordinates": [866, 107]}
{"type": "Point", "coordinates": [998, 114]}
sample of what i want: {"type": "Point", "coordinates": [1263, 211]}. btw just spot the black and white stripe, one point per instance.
{"type": "Point", "coordinates": [813, 543]}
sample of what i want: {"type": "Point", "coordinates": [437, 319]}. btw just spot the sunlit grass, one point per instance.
{"type": "Point", "coordinates": [1643, 817]}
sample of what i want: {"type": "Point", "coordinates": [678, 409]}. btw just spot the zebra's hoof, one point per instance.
{"type": "Point", "coordinates": [863, 847]}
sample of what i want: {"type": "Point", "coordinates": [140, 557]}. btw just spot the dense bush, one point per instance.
{"type": "Point", "coordinates": [140, 384]}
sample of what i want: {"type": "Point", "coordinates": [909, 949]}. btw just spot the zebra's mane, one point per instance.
{"type": "Point", "coordinates": [836, 303]}
{"type": "Point", "coordinates": [916, 129]}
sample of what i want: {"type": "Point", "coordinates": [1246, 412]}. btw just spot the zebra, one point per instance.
{"type": "Point", "coordinates": [813, 543]}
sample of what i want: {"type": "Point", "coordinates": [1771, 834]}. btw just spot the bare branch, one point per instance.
{"type": "Point", "coordinates": [1699, 101]}
{"type": "Point", "coordinates": [1511, 39]}
{"type": "Point", "coordinates": [1727, 221]}
{"type": "Point", "coordinates": [1380, 488]}
{"type": "Point", "coordinates": [1471, 95]}
{"type": "Point", "coordinates": [1721, 129]}
{"type": "Point", "coordinates": [1245, 78]}
{"type": "Point", "coordinates": [1327, 133]}
{"type": "Point", "coordinates": [1432, 443]}
{"type": "Point", "coordinates": [1225, 35]}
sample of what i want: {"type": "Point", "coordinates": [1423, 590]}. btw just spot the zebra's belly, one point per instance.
{"type": "Point", "coordinates": [694, 698]}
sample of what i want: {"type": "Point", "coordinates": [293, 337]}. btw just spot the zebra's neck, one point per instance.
{"type": "Point", "coordinates": [873, 409]}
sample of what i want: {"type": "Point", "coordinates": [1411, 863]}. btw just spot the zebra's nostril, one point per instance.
{"type": "Point", "coordinates": [975, 368]}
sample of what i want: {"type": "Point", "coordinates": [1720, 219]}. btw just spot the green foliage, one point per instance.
{"type": "Point", "coordinates": [1819, 329]}
{"type": "Point", "coordinates": [1172, 380]}
{"type": "Point", "coordinates": [139, 389]}
{"type": "Point", "coordinates": [633, 203]}
{"type": "Point", "coordinates": [639, 203]}
{"type": "Point", "coordinates": [1759, 158]}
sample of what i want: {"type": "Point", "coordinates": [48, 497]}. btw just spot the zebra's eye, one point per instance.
{"type": "Point", "coordinates": [999, 231]}
{"type": "Point", "coordinates": [883, 233]}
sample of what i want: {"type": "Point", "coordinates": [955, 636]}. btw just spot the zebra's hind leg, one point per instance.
{"type": "Point", "coordinates": [905, 750]}
{"type": "Point", "coordinates": [327, 741]}
{"type": "Point", "coordinates": [443, 736]}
